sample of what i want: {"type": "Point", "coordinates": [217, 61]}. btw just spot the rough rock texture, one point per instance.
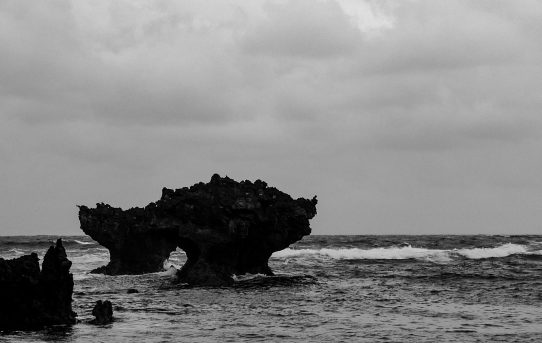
{"type": "Point", "coordinates": [30, 298]}
{"type": "Point", "coordinates": [103, 313]}
{"type": "Point", "coordinates": [135, 244]}
{"type": "Point", "coordinates": [225, 227]}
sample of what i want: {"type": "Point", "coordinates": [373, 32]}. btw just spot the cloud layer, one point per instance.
{"type": "Point", "coordinates": [403, 116]}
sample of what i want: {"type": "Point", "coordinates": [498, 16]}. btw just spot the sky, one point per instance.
{"type": "Point", "coordinates": [403, 117]}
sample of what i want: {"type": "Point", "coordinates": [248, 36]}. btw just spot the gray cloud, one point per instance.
{"type": "Point", "coordinates": [303, 29]}
{"type": "Point", "coordinates": [414, 117]}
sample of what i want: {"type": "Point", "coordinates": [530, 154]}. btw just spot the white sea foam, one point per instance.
{"type": "Point", "coordinates": [390, 253]}
{"type": "Point", "coordinates": [83, 243]}
{"type": "Point", "coordinates": [248, 276]}
{"type": "Point", "coordinates": [500, 251]}
{"type": "Point", "coordinates": [170, 271]}
{"type": "Point", "coordinates": [16, 251]}
{"type": "Point", "coordinates": [169, 263]}
{"type": "Point", "coordinates": [402, 253]}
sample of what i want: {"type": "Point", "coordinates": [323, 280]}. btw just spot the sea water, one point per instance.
{"type": "Point", "coordinates": [326, 289]}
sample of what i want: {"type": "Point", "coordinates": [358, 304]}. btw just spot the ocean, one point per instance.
{"type": "Point", "coordinates": [326, 289]}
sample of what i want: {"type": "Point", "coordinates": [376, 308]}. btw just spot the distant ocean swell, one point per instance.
{"type": "Point", "coordinates": [409, 252]}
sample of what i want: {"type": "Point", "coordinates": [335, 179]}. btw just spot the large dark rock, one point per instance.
{"type": "Point", "coordinates": [136, 245]}
{"type": "Point", "coordinates": [102, 312]}
{"type": "Point", "coordinates": [225, 227]}
{"type": "Point", "coordinates": [30, 298]}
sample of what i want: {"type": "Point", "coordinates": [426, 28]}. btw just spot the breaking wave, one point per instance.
{"type": "Point", "coordinates": [83, 243]}
{"type": "Point", "coordinates": [408, 252]}
{"type": "Point", "coordinates": [13, 253]}
{"type": "Point", "coordinates": [169, 271]}
{"type": "Point", "coordinates": [391, 253]}
{"type": "Point", "coordinates": [500, 251]}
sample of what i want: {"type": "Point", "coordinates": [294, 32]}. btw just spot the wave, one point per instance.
{"type": "Point", "coordinates": [407, 252]}
{"type": "Point", "coordinates": [83, 243]}
{"type": "Point", "coordinates": [13, 253]}
{"type": "Point", "coordinates": [169, 271]}
{"type": "Point", "coordinates": [500, 251]}
{"type": "Point", "coordinates": [389, 253]}
{"type": "Point", "coordinates": [89, 258]}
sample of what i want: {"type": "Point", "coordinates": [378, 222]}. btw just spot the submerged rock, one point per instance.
{"type": "Point", "coordinates": [225, 227]}
{"type": "Point", "coordinates": [30, 298]}
{"type": "Point", "coordinates": [103, 313]}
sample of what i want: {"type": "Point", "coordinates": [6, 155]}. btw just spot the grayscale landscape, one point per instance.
{"type": "Point", "coordinates": [271, 171]}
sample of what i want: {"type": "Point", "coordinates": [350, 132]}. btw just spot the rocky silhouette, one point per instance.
{"type": "Point", "coordinates": [136, 244]}
{"type": "Point", "coordinates": [103, 313]}
{"type": "Point", "coordinates": [30, 298]}
{"type": "Point", "coordinates": [225, 227]}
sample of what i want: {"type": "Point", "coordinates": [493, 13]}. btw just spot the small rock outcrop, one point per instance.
{"type": "Point", "coordinates": [103, 313]}
{"type": "Point", "coordinates": [225, 227]}
{"type": "Point", "coordinates": [30, 298]}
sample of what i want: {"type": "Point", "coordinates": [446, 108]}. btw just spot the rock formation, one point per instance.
{"type": "Point", "coordinates": [30, 298]}
{"type": "Point", "coordinates": [135, 244]}
{"type": "Point", "coordinates": [225, 227]}
{"type": "Point", "coordinates": [103, 313]}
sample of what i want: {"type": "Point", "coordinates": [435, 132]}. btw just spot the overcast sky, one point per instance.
{"type": "Point", "coordinates": [408, 117]}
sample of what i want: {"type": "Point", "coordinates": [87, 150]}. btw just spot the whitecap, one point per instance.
{"type": "Point", "coordinates": [389, 253]}
{"type": "Point", "coordinates": [500, 251]}
{"type": "Point", "coordinates": [83, 243]}
{"type": "Point", "coordinates": [170, 264]}
{"type": "Point", "coordinates": [247, 276]}
{"type": "Point", "coordinates": [16, 251]}
{"type": "Point", "coordinates": [170, 271]}
{"type": "Point", "coordinates": [406, 252]}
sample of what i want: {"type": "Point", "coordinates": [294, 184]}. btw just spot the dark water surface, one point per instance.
{"type": "Point", "coordinates": [327, 288]}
